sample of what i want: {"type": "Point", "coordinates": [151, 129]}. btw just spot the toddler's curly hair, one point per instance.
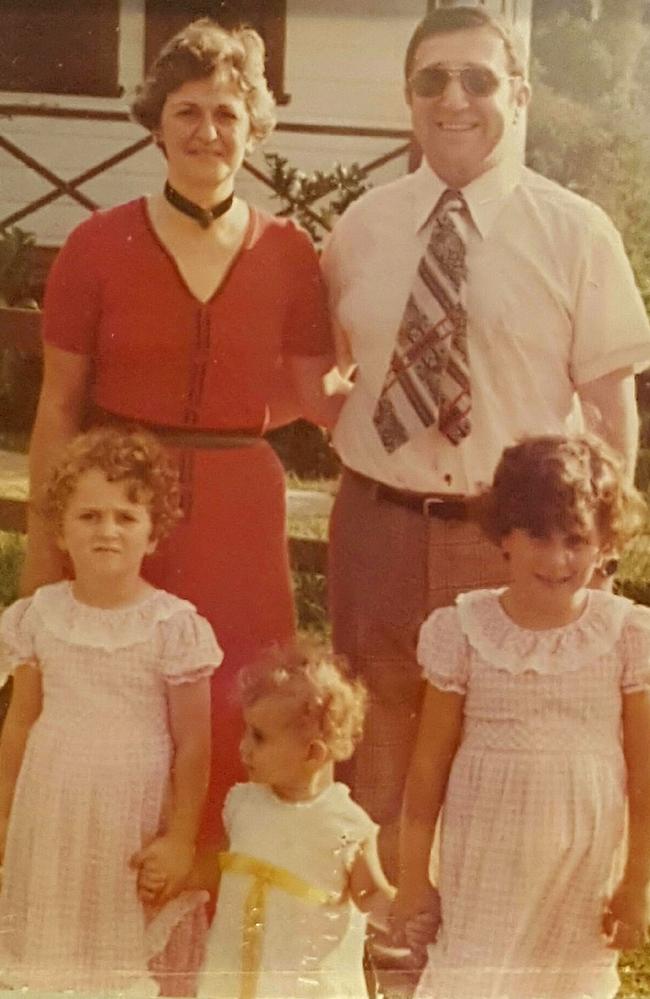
{"type": "Point", "coordinates": [561, 483]}
{"type": "Point", "coordinates": [327, 702]}
{"type": "Point", "coordinates": [131, 456]}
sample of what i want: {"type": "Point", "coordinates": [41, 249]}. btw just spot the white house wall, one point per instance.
{"type": "Point", "coordinates": [343, 67]}
{"type": "Point", "coordinates": [340, 69]}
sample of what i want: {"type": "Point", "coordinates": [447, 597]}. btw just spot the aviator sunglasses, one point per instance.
{"type": "Point", "coordinates": [477, 81]}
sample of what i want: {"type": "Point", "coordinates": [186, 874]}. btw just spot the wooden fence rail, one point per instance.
{"type": "Point", "coordinates": [71, 187]}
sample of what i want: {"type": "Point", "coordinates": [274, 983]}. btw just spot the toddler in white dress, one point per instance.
{"type": "Point", "coordinates": [534, 734]}
{"type": "Point", "coordinates": [301, 866]}
{"type": "Point", "coordinates": [105, 750]}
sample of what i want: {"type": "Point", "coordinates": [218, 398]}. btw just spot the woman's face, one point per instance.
{"type": "Point", "coordinates": [205, 132]}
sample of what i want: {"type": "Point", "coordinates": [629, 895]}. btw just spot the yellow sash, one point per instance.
{"type": "Point", "coordinates": [265, 876]}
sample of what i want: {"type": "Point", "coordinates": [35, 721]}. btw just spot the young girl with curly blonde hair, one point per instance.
{"type": "Point", "coordinates": [105, 751]}
{"type": "Point", "coordinates": [301, 867]}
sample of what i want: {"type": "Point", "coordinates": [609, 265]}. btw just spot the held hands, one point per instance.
{"type": "Point", "coordinates": [163, 867]}
{"type": "Point", "coordinates": [626, 916]}
{"type": "Point", "coordinates": [415, 918]}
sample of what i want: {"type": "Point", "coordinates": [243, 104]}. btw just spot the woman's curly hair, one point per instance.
{"type": "Point", "coordinates": [549, 483]}
{"type": "Point", "coordinates": [131, 456]}
{"type": "Point", "coordinates": [325, 701]}
{"type": "Point", "coordinates": [195, 53]}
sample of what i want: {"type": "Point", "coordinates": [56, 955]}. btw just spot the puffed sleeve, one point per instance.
{"type": "Point", "coordinates": [307, 328]}
{"type": "Point", "coordinates": [351, 825]}
{"type": "Point", "coordinates": [17, 638]}
{"type": "Point", "coordinates": [230, 806]}
{"type": "Point", "coordinates": [71, 308]}
{"type": "Point", "coordinates": [636, 651]}
{"type": "Point", "coordinates": [190, 650]}
{"type": "Point", "coordinates": [362, 825]}
{"type": "Point", "coordinates": [442, 651]}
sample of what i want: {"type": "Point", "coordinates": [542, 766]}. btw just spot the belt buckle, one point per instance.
{"type": "Point", "coordinates": [451, 508]}
{"type": "Point", "coordinates": [429, 503]}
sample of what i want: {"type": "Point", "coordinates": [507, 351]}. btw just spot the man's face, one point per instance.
{"type": "Point", "coordinates": [463, 135]}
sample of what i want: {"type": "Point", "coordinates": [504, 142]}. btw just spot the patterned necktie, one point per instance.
{"type": "Point", "coordinates": [428, 379]}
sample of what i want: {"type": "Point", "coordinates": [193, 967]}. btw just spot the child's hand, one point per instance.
{"type": "Point", "coordinates": [407, 909]}
{"type": "Point", "coordinates": [163, 868]}
{"type": "Point", "coordinates": [422, 929]}
{"type": "Point", "coordinates": [150, 885]}
{"type": "Point", "coordinates": [625, 919]}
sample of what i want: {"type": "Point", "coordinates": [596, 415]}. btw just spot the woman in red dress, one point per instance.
{"type": "Point", "coordinates": [195, 314]}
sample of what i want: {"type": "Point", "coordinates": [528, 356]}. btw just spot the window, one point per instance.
{"type": "Point", "coordinates": [165, 17]}
{"type": "Point", "coordinates": [67, 47]}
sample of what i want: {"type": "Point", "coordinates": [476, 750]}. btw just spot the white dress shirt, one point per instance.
{"type": "Point", "coordinates": [551, 302]}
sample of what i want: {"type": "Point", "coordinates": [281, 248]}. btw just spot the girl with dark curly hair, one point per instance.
{"type": "Point", "coordinates": [534, 734]}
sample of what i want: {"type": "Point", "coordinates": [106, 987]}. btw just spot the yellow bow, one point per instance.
{"type": "Point", "coordinates": [265, 876]}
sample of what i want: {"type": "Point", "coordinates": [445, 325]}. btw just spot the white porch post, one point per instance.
{"type": "Point", "coordinates": [131, 46]}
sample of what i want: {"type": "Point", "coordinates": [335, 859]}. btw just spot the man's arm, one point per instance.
{"type": "Point", "coordinates": [610, 411]}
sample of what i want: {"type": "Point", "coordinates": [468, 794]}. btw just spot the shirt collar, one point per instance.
{"type": "Point", "coordinates": [484, 196]}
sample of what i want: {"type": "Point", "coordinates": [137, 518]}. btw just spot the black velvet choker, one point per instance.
{"type": "Point", "coordinates": [204, 216]}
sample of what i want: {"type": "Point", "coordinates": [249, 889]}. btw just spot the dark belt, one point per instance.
{"type": "Point", "coordinates": [192, 437]}
{"type": "Point", "coordinates": [428, 504]}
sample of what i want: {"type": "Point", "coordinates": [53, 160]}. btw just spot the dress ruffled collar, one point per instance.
{"type": "Point", "coordinates": [76, 623]}
{"type": "Point", "coordinates": [334, 793]}
{"type": "Point", "coordinates": [505, 645]}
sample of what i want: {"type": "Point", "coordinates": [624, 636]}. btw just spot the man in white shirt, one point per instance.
{"type": "Point", "coordinates": [555, 329]}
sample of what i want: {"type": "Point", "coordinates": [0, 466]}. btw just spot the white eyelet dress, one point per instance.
{"type": "Point", "coordinates": [533, 819]}
{"type": "Point", "coordinates": [307, 947]}
{"type": "Point", "coordinates": [92, 789]}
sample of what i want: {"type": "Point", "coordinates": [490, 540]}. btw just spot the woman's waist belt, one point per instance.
{"type": "Point", "coordinates": [192, 437]}
{"type": "Point", "coordinates": [440, 505]}
{"type": "Point", "coordinates": [265, 876]}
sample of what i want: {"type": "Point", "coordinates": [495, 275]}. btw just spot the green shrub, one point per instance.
{"type": "Point", "coordinates": [305, 451]}
{"type": "Point", "coordinates": [20, 373]}
{"type": "Point", "coordinates": [16, 247]}
{"type": "Point", "coordinates": [310, 595]}
{"type": "Point", "coordinates": [642, 477]}
{"type": "Point", "coordinates": [633, 578]}
{"type": "Point", "coordinates": [643, 394]}
{"type": "Point", "coordinates": [634, 969]}
{"type": "Point", "coordinates": [12, 551]}
{"type": "Point", "coordinates": [315, 200]}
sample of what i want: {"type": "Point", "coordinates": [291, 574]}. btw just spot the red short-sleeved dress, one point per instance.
{"type": "Point", "coordinates": [163, 357]}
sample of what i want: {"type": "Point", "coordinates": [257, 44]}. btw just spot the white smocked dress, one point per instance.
{"type": "Point", "coordinates": [533, 820]}
{"type": "Point", "coordinates": [92, 788]}
{"type": "Point", "coordinates": [310, 936]}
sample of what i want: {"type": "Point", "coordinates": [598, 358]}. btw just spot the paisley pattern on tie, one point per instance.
{"type": "Point", "coordinates": [428, 383]}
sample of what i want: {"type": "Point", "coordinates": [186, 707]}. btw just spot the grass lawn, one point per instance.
{"type": "Point", "coordinates": [310, 588]}
{"type": "Point", "coordinates": [634, 969]}
{"type": "Point", "coordinates": [12, 547]}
